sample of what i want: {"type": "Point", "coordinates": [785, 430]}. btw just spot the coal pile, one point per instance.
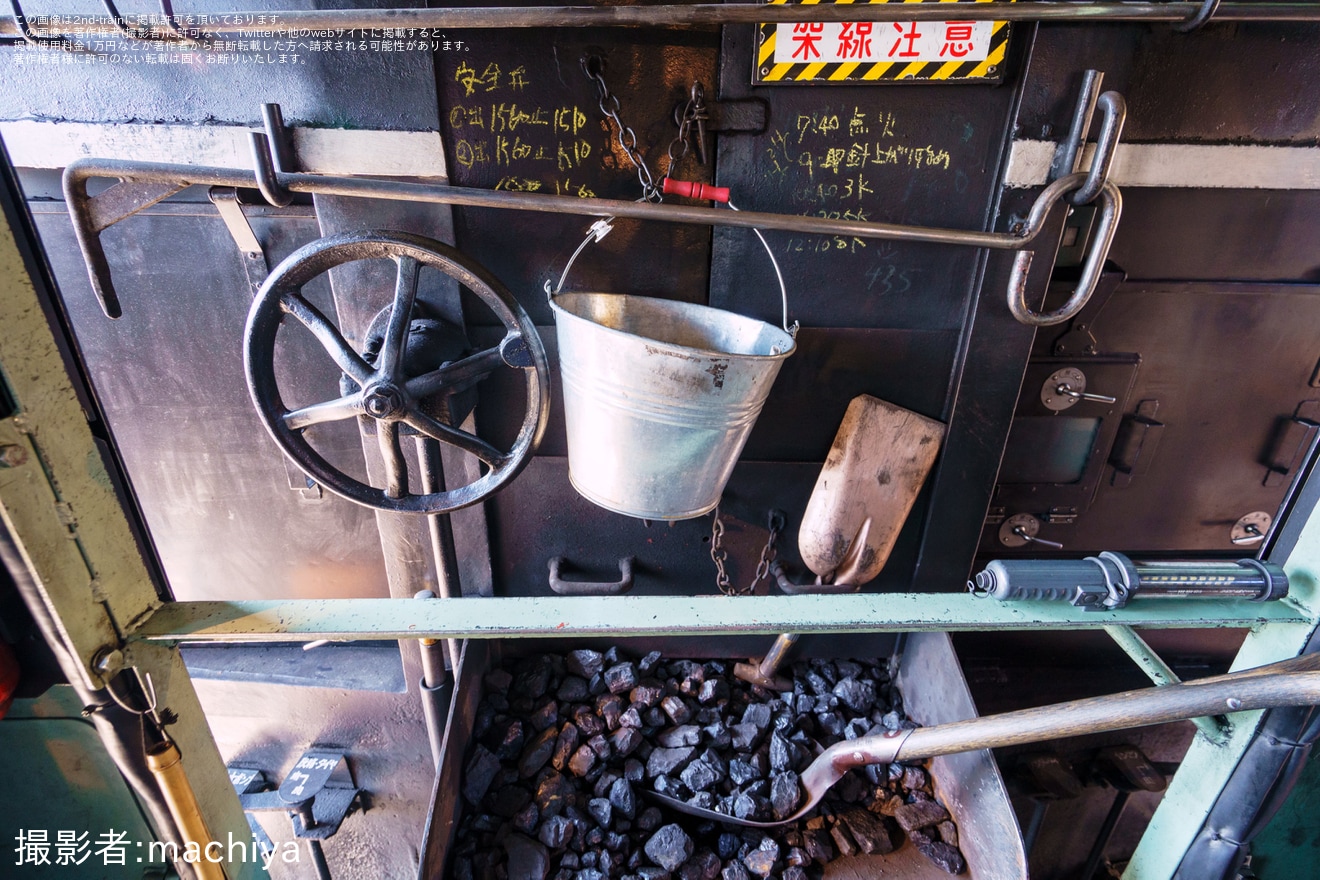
{"type": "Point", "coordinates": [565, 747]}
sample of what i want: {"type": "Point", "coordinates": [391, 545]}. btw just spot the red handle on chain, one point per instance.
{"type": "Point", "coordinates": [693, 190]}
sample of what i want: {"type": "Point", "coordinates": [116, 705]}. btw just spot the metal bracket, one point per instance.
{"type": "Point", "coordinates": [1251, 528]}
{"type": "Point", "coordinates": [1293, 439]}
{"type": "Point", "coordinates": [744, 116]}
{"type": "Point", "coordinates": [255, 265]}
{"type": "Point", "coordinates": [1134, 447]}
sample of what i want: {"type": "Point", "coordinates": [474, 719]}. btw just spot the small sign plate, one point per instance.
{"type": "Point", "coordinates": [824, 53]}
{"type": "Point", "coordinates": [309, 775]}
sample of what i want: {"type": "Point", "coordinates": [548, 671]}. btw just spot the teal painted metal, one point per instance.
{"type": "Point", "coordinates": [1154, 666]}
{"type": "Point", "coordinates": [1207, 766]}
{"type": "Point", "coordinates": [1290, 845]}
{"type": "Point", "coordinates": [60, 780]}
{"type": "Point", "coordinates": [624, 616]}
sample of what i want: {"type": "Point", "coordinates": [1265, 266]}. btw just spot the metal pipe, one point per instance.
{"type": "Point", "coordinates": [442, 542]}
{"type": "Point", "coordinates": [167, 766]}
{"type": "Point", "coordinates": [1103, 836]}
{"type": "Point", "coordinates": [1065, 161]}
{"type": "Point", "coordinates": [775, 656]}
{"type": "Point", "coordinates": [318, 860]}
{"type": "Point", "coordinates": [435, 688]}
{"type": "Point", "coordinates": [80, 171]}
{"type": "Point", "coordinates": [676, 16]}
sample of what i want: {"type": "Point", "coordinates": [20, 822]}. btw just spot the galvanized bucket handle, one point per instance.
{"type": "Point", "coordinates": [602, 228]}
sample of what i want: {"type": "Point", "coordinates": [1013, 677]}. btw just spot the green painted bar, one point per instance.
{"type": "Point", "coordinates": [621, 616]}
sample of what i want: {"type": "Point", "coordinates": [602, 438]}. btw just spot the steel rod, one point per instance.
{"type": "Point", "coordinates": [80, 171]}
{"type": "Point", "coordinates": [283, 22]}
{"type": "Point", "coordinates": [633, 616]}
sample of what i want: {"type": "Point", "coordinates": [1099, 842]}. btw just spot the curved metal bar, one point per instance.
{"type": "Point", "coordinates": [469, 443]}
{"type": "Point", "coordinates": [281, 145]}
{"type": "Point", "coordinates": [347, 407]}
{"type": "Point", "coordinates": [160, 180]}
{"type": "Point", "coordinates": [1111, 208]}
{"type": "Point", "coordinates": [1200, 19]}
{"type": "Point", "coordinates": [1106, 145]}
{"type": "Point", "coordinates": [589, 588]}
{"type": "Point", "coordinates": [264, 165]}
{"type": "Point", "coordinates": [329, 336]}
{"type": "Point", "coordinates": [390, 366]}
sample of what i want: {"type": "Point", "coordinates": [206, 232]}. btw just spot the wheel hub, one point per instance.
{"type": "Point", "coordinates": [384, 402]}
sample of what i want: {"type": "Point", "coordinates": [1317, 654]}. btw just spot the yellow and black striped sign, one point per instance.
{"type": "Point", "coordinates": [880, 52]}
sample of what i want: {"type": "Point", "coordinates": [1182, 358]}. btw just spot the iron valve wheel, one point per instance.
{"type": "Point", "coordinates": [384, 393]}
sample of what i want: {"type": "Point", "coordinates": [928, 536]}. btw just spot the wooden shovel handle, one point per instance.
{"type": "Point", "coordinates": [1293, 682]}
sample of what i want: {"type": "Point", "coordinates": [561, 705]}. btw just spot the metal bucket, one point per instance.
{"type": "Point", "coordinates": [659, 398]}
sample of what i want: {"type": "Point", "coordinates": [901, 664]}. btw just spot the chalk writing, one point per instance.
{"type": "Point", "coordinates": [837, 162]}
{"type": "Point", "coordinates": [532, 147]}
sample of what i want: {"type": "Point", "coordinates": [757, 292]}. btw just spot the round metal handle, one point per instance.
{"type": "Point", "coordinates": [384, 393]}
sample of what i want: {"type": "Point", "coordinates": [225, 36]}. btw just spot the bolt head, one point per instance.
{"type": "Point", "coordinates": [383, 402]}
{"type": "Point", "coordinates": [108, 661]}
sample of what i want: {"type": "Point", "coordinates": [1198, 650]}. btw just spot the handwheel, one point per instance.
{"type": "Point", "coordinates": [381, 391]}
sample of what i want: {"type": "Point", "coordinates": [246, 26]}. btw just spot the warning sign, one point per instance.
{"type": "Point", "coordinates": [890, 51]}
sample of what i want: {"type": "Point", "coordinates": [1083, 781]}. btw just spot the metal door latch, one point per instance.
{"type": "Point", "coordinates": [1021, 529]}
{"type": "Point", "coordinates": [1066, 388]}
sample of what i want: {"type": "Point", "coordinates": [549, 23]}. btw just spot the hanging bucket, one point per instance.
{"type": "Point", "coordinates": [659, 397]}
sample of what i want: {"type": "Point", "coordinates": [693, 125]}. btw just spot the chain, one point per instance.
{"type": "Point", "coordinates": [719, 555]}
{"type": "Point", "coordinates": [693, 113]}
{"type": "Point", "coordinates": [626, 137]}
{"type": "Point", "coordinates": [690, 114]}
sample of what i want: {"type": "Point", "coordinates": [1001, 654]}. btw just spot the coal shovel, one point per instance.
{"type": "Point", "coordinates": [1294, 682]}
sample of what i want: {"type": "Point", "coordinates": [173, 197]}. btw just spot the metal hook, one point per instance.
{"type": "Point", "coordinates": [281, 145]}
{"type": "Point", "coordinates": [1106, 146]}
{"type": "Point", "coordinates": [264, 166]}
{"type": "Point", "coordinates": [1200, 19]}
{"type": "Point", "coordinates": [1111, 208]}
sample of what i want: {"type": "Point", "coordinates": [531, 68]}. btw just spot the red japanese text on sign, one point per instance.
{"type": "Point", "coordinates": [905, 42]}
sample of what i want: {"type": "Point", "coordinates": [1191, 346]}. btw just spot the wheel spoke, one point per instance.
{"type": "Point", "coordinates": [454, 437]}
{"type": "Point", "coordinates": [329, 411]}
{"type": "Point", "coordinates": [328, 335]}
{"type": "Point", "coordinates": [396, 471]}
{"type": "Point", "coordinates": [396, 333]}
{"type": "Point", "coordinates": [454, 376]}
